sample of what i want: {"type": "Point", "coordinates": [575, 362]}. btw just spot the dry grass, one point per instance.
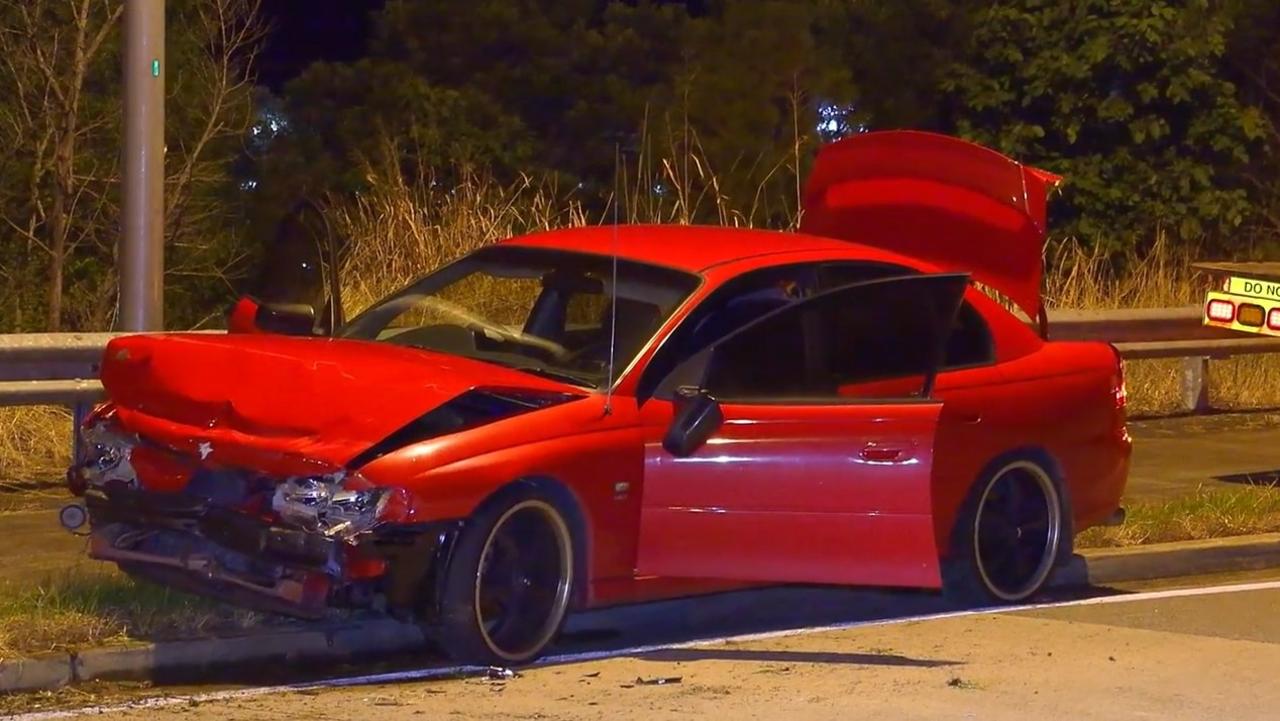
{"type": "Point", "coordinates": [1160, 276]}
{"type": "Point", "coordinates": [35, 446]}
{"type": "Point", "coordinates": [1206, 513]}
{"type": "Point", "coordinates": [96, 606]}
{"type": "Point", "coordinates": [399, 231]}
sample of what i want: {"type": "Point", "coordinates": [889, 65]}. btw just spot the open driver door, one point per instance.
{"type": "Point", "coordinates": [763, 462]}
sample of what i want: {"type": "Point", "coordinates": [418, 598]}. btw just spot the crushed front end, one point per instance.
{"type": "Point", "coordinates": [295, 545]}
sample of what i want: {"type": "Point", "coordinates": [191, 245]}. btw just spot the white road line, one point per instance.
{"type": "Point", "coordinates": [428, 674]}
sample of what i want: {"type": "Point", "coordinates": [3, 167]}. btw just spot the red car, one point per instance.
{"type": "Point", "coordinates": [605, 415]}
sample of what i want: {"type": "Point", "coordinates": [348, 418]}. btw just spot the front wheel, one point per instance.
{"type": "Point", "coordinates": [507, 588]}
{"type": "Point", "coordinates": [1010, 535]}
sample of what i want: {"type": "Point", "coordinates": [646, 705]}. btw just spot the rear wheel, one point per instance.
{"type": "Point", "coordinates": [1010, 535]}
{"type": "Point", "coordinates": [507, 588]}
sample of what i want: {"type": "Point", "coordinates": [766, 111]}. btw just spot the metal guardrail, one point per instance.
{"type": "Point", "coordinates": [51, 368]}
{"type": "Point", "coordinates": [62, 368]}
{"type": "Point", "coordinates": [1147, 334]}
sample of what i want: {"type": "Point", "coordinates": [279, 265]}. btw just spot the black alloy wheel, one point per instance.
{"type": "Point", "coordinates": [509, 584]}
{"type": "Point", "coordinates": [1010, 536]}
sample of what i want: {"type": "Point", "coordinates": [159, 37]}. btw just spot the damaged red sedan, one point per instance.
{"type": "Point", "coordinates": [604, 415]}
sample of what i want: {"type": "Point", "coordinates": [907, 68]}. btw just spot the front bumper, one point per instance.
{"type": "Point", "coordinates": [186, 542]}
{"type": "Point", "coordinates": [226, 527]}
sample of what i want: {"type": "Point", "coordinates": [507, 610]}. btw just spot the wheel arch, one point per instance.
{"type": "Point", "coordinates": [566, 502]}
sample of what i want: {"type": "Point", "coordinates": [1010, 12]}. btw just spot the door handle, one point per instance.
{"type": "Point", "coordinates": [881, 454]}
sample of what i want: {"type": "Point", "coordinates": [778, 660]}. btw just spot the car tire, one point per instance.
{"type": "Point", "coordinates": [509, 581]}
{"type": "Point", "coordinates": [1013, 530]}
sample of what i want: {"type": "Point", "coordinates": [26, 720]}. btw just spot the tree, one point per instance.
{"type": "Point", "coordinates": [50, 51]}
{"type": "Point", "coordinates": [748, 98]}
{"type": "Point", "coordinates": [60, 96]}
{"type": "Point", "coordinates": [1126, 98]}
{"type": "Point", "coordinates": [899, 52]}
{"type": "Point", "coordinates": [578, 75]}
{"type": "Point", "coordinates": [593, 88]}
{"type": "Point", "coordinates": [1253, 63]}
{"type": "Point", "coordinates": [338, 120]}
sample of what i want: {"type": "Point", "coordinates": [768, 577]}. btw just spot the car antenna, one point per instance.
{"type": "Point", "coordinates": [613, 286]}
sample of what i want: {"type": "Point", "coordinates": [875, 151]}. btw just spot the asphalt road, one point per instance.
{"type": "Point", "coordinates": [1207, 649]}
{"type": "Point", "coordinates": [1172, 456]}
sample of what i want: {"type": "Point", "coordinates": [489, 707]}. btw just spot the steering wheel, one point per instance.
{"type": "Point", "coordinates": [483, 327]}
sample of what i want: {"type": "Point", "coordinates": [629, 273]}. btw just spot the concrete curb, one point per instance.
{"type": "Point", "coordinates": [359, 639]}
{"type": "Point", "coordinates": [1184, 558]}
{"type": "Point", "coordinates": [178, 659]}
{"type": "Point", "coordinates": [35, 674]}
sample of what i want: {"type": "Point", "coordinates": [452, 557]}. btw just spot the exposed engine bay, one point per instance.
{"type": "Point", "coordinates": [296, 545]}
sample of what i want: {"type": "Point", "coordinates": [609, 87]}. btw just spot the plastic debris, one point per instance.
{"type": "Point", "coordinates": [658, 680]}
{"type": "Point", "coordinates": [498, 673]}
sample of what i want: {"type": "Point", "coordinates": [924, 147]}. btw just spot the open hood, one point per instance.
{"type": "Point", "coordinates": [946, 201]}
{"type": "Point", "coordinates": [281, 405]}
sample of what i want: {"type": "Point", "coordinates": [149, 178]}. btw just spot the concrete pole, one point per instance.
{"type": "Point", "coordinates": [141, 255]}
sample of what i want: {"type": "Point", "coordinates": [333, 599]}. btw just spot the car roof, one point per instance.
{"type": "Point", "coordinates": [697, 248]}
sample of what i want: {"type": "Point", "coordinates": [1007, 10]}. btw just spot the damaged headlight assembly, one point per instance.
{"type": "Point", "coordinates": [106, 457]}
{"type": "Point", "coordinates": [336, 505]}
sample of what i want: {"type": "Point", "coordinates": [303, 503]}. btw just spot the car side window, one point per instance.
{"type": "Point", "coordinates": [880, 339]}
{"type": "Point", "coordinates": [772, 360]}
{"type": "Point", "coordinates": [735, 304]}
{"type": "Point", "coordinates": [970, 343]}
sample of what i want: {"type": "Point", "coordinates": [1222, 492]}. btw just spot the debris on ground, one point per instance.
{"type": "Point", "coordinates": [499, 673]}
{"type": "Point", "coordinates": [658, 680]}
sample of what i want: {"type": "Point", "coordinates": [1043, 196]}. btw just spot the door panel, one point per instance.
{"type": "Point", "coordinates": [834, 493]}
{"type": "Point", "coordinates": [803, 480]}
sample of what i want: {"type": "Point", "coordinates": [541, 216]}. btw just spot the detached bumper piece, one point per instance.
{"type": "Point", "coordinates": [187, 542]}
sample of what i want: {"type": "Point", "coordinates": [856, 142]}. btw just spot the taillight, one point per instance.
{"type": "Point", "coordinates": [1273, 319]}
{"type": "Point", "coordinates": [1118, 390]}
{"type": "Point", "coordinates": [1221, 310]}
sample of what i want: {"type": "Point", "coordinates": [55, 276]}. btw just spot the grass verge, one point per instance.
{"type": "Point", "coordinates": [1210, 512]}
{"type": "Point", "coordinates": [99, 606]}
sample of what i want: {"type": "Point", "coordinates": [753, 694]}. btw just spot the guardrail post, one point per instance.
{"type": "Point", "coordinates": [1195, 384]}
{"type": "Point", "coordinates": [78, 413]}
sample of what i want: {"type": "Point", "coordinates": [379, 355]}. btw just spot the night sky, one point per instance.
{"type": "Point", "coordinates": [304, 31]}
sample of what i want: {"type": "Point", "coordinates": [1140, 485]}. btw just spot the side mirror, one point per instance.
{"type": "Point", "coordinates": [286, 318]}
{"type": "Point", "coordinates": [697, 416]}
{"type": "Point", "coordinates": [301, 266]}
